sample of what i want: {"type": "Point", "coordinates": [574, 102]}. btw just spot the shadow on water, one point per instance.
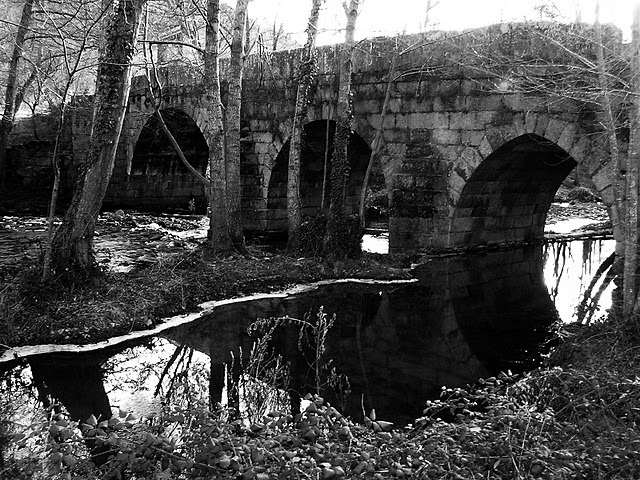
{"type": "Point", "coordinates": [466, 317]}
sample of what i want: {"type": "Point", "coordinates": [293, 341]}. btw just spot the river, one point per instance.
{"type": "Point", "coordinates": [391, 347]}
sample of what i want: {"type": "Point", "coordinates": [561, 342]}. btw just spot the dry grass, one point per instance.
{"type": "Point", "coordinates": [117, 303]}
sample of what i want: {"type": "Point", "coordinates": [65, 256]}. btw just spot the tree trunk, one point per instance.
{"type": "Point", "coordinates": [234, 103]}
{"type": "Point", "coordinates": [213, 132]}
{"type": "Point", "coordinates": [305, 75]}
{"type": "Point", "coordinates": [10, 103]}
{"type": "Point", "coordinates": [377, 141]}
{"type": "Point", "coordinates": [73, 242]}
{"type": "Point", "coordinates": [336, 242]}
{"type": "Point", "coordinates": [631, 304]}
{"type": "Point", "coordinates": [48, 252]}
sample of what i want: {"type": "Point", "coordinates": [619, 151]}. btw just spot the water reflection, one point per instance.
{"type": "Point", "coordinates": [466, 317]}
{"type": "Point", "coordinates": [570, 268]}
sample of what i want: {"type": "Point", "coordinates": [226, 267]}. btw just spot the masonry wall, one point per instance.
{"type": "Point", "coordinates": [452, 105]}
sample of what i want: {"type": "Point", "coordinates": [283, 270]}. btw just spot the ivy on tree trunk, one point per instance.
{"type": "Point", "coordinates": [341, 236]}
{"type": "Point", "coordinates": [73, 242]}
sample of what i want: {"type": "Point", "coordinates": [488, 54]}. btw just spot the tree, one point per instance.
{"type": "Point", "coordinates": [72, 62]}
{"type": "Point", "coordinates": [213, 132]}
{"type": "Point", "coordinates": [73, 241]}
{"type": "Point", "coordinates": [337, 239]}
{"type": "Point", "coordinates": [14, 96]}
{"type": "Point", "coordinates": [631, 303]}
{"type": "Point", "coordinates": [234, 103]}
{"type": "Point", "coordinates": [306, 70]}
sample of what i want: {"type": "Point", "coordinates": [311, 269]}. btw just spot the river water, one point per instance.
{"type": "Point", "coordinates": [462, 318]}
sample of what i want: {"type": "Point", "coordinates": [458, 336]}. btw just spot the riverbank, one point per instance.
{"type": "Point", "coordinates": [576, 417]}
{"type": "Point", "coordinates": [153, 269]}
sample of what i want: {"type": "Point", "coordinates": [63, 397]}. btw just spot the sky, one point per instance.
{"type": "Point", "coordinates": [388, 17]}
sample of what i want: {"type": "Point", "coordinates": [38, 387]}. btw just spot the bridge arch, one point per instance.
{"type": "Point", "coordinates": [507, 196]}
{"type": "Point", "coordinates": [157, 174]}
{"type": "Point", "coordinates": [501, 190]}
{"type": "Point", "coordinates": [317, 148]}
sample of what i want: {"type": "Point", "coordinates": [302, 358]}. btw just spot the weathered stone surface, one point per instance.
{"type": "Point", "coordinates": [444, 138]}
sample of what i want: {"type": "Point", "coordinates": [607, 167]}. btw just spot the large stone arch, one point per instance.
{"type": "Point", "coordinates": [156, 178]}
{"type": "Point", "coordinates": [501, 189]}
{"type": "Point", "coordinates": [318, 141]}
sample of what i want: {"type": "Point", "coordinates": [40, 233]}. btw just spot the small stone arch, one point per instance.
{"type": "Point", "coordinates": [157, 178]}
{"type": "Point", "coordinates": [318, 146]}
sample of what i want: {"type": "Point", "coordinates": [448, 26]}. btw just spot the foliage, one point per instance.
{"type": "Point", "coordinates": [312, 337]}
{"type": "Point", "coordinates": [575, 421]}
{"type": "Point", "coordinates": [346, 238]}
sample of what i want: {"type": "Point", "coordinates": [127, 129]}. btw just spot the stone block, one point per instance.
{"type": "Point", "coordinates": [447, 88]}
{"type": "Point", "coordinates": [554, 130]}
{"type": "Point", "coordinates": [420, 134]}
{"type": "Point", "coordinates": [464, 121]}
{"type": "Point", "coordinates": [541, 125]}
{"type": "Point", "coordinates": [519, 125]}
{"type": "Point", "coordinates": [468, 87]}
{"type": "Point", "coordinates": [375, 121]}
{"type": "Point", "coordinates": [579, 149]}
{"type": "Point", "coordinates": [484, 103]}
{"type": "Point", "coordinates": [418, 150]}
{"type": "Point", "coordinates": [395, 135]}
{"type": "Point", "coordinates": [445, 137]}
{"type": "Point", "coordinates": [450, 153]}
{"type": "Point", "coordinates": [605, 177]}
{"type": "Point", "coordinates": [403, 181]}
{"type": "Point", "coordinates": [394, 105]}
{"type": "Point", "coordinates": [471, 137]}
{"type": "Point", "coordinates": [471, 157]}
{"type": "Point", "coordinates": [530, 120]}
{"type": "Point", "coordinates": [400, 121]}
{"type": "Point", "coordinates": [431, 120]}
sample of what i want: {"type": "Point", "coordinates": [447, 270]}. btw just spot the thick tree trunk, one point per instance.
{"type": "Point", "coordinates": [336, 239]}
{"type": "Point", "coordinates": [305, 75]}
{"type": "Point", "coordinates": [213, 132]}
{"type": "Point", "coordinates": [10, 103]}
{"type": "Point", "coordinates": [234, 104]}
{"type": "Point", "coordinates": [631, 304]}
{"type": "Point", "coordinates": [73, 242]}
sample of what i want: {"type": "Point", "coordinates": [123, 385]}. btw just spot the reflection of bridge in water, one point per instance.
{"type": "Point", "coordinates": [466, 318]}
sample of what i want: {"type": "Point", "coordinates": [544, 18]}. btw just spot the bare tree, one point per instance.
{"type": "Point", "coordinates": [72, 63]}
{"type": "Point", "coordinates": [73, 241]}
{"type": "Point", "coordinates": [337, 241]}
{"type": "Point", "coordinates": [306, 71]}
{"type": "Point", "coordinates": [234, 102]}
{"type": "Point", "coordinates": [213, 132]}
{"type": "Point", "coordinates": [12, 98]}
{"type": "Point", "coordinates": [631, 304]}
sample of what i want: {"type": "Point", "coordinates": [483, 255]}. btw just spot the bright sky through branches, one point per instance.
{"type": "Point", "coordinates": [388, 17]}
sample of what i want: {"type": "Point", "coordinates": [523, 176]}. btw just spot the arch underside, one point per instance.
{"type": "Point", "coordinates": [158, 176]}
{"type": "Point", "coordinates": [507, 197]}
{"type": "Point", "coordinates": [316, 151]}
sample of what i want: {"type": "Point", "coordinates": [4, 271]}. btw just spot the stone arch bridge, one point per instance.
{"type": "Point", "coordinates": [469, 156]}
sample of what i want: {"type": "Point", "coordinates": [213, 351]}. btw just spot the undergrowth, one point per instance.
{"type": "Point", "coordinates": [114, 303]}
{"type": "Point", "coordinates": [577, 418]}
